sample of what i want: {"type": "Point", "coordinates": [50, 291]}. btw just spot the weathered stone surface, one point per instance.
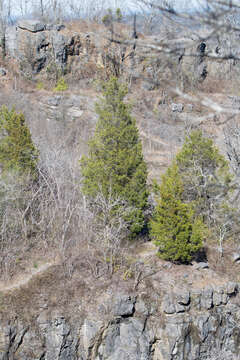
{"type": "Point", "coordinates": [218, 296]}
{"type": "Point", "coordinates": [148, 85]}
{"type": "Point", "coordinates": [36, 49]}
{"type": "Point", "coordinates": [74, 113]}
{"type": "Point", "coordinates": [168, 305]}
{"type": "Point", "coordinates": [236, 257]}
{"type": "Point", "coordinates": [189, 107]}
{"type": "Point", "coordinates": [231, 288]}
{"type": "Point", "coordinates": [180, 308]}
{"type": "Point", "coordinates": [141, 307]}
{"type": "Point", "coordinates": [31, 346]}
{"type": "Point", "coordinates": [177, 107]}
{"type": "Point", "coordinates": [201, 265]}
{"type": "Point", "coordinates": [57, 27]}
{"type": "Point", "coordinates": [88, 332]}
{"type": "Point", "coordinates": [194, 335]}
{"type": "Point", "coordinates": [3, 72]}
{"type": "Point", "coordinates": [31, 25]}
{"type": "Point", "coordinates": [60, 48]}
{"type": "Point", "coordinates": [235, 101]}
{"type": "Point", "coordinates": [54, 100]}
{"type": "Point", "coordinates": [207, 298]}
{"type": "Point", "coordinates": [196, 299]}
{"type": "Point", "coordinates": [177, 302]}
{"type": "Point", "coordinates": [125, 340]}
{"type": "Point", "coordinates": [124, 305]}
{"type": "Point", "coordinates": [225, 298]}
{"type": "Point", "coordinates": [183, 297]}
{"type": "Point", "coordinates": [59, 343]}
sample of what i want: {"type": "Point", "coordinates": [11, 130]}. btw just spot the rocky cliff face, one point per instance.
{"type": "Point", "coordinates": [56, 48]}
{"type": "Point", "coordinates": [197, 324]}
{"type": "Point", "coordinates": [37, 46]}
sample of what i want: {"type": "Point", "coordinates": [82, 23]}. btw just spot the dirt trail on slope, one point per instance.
{"type": "Point", "coordinates": [24, 279]}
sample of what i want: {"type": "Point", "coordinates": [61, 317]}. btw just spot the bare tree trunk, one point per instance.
{"type": "Point", "coordinates": [2, 28]}
{"type": "Point", "coordinates": [41, 8]}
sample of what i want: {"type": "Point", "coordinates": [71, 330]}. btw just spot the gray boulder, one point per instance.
{"type": "Point", "coordinates": [177, 107]}
{"type": "Point", "coordinates": [124, 305]}
{"type": "Point", "coordinates": [235, 102]}
{"type": "Point", "coordinates": [57, 27]}
{"type": "Point", "coordinates": [236, 257]}
{"type": "Point", "coordinates": [31, 25]}
{"type": "Point", "coordinates": [231, 288]}
{"type": "Point", "coordinates": [201, 265]}
{"type": "Point", "coordinates": [3, 72]}
{"type": "Point", "coordinates": [183, 297]}
{"type": "Point", "coordinates": [54, 100]}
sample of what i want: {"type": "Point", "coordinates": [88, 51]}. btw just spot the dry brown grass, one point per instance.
{"type": "Point", "coordinates": [82, 26]}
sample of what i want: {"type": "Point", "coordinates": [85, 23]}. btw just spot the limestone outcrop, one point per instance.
{"type": "Point", "coordinates": [196, 324]}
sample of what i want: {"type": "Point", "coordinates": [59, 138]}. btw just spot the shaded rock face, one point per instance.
{"type": "Point", "coordinates": [199, 325]}
{"type": "Point", "coordinates": [38, 46]}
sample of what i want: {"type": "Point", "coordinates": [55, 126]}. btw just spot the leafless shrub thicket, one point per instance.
{"type": "Point", "coordinates": [232, 142]}
{"type": "Point", "coordinates": [106, 252]}
{"type": "Point", "coordinates": [52, 216]}
{"type": "Point", "coordinates": [39, 213]}
{"type": "Point", "coordinates": [15, 232]}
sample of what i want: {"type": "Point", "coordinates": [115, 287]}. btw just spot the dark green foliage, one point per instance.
{"type": "Point", "coordinates": [176, 230]}
{"type": "Point", "coordinates": [205, 175]}
{"type": "Point", "coordinates": [108, 18]}
{"type": "Point", "coordinates": [195, 191]}
{"type": "Point", "coordinates": [115, 163]}
{"type": "Point", "coordinates": [17, 151]}
{"type": "Point", "coordinates": [118, 14]}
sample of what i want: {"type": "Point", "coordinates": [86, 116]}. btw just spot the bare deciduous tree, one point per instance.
{"type": "Point", "coordinates": [109, 229]}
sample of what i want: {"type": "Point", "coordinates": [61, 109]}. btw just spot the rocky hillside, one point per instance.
{"type": "Point", "coordinates": [170, 312]}
{"type": "Point", "coordinates": [151, 310]}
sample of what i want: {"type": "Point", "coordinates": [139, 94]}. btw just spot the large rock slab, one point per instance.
{"type": "Point", "coordinates": [124, 305]}
{"type": "Point", "coordinates": [31, 25]}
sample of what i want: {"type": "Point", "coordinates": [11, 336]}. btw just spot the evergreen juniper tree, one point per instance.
{"type": "Point", "coordinates": [115, 162]}
{"type": "Point", "coordinates": [17, 151]}
{"type": "Point", "coordinates": [176, 230]}
{"type": "Point", "coordinates": [194, 196]}
{"type": "Point", "coordinates": [205, 174]}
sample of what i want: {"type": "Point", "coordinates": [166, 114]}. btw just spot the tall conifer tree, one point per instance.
{"type": "Point", "coordinates": [175, 228]}
{"type": "Point", "coordinates": [115, 163]}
